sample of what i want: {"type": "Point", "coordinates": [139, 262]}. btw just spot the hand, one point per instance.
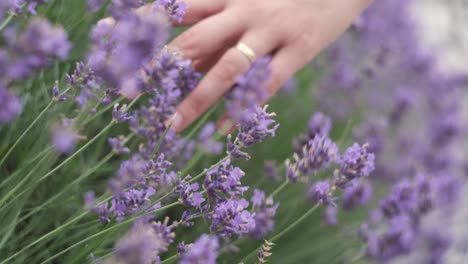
{"type": "Point", "coordinates": [292, 31]}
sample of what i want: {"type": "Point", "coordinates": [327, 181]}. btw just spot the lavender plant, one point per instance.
{"type": "Point", "coordinates": [91, 171]}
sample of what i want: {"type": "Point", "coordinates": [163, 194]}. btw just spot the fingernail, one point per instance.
{"type": "Point", "coordinates": [175, 121]}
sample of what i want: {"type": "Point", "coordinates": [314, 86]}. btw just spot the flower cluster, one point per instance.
{"type": "Point", "coordinates": [176, 10]}
{"type": "Point", "coordinates": [360, 74]}
{"type": "Point", "coordinates": [26, 51]}
{"type": "Point", "coordinates": [144, 242]}
{"type": "Point", "coordinates": [265, 211]}
{"type": "Point", "coordinates": [19, 6]}
{"type": "Point", "coordinates": [64, 136]}
{"type": "Point", "coordinates": [203, 251]}
{"type": "Point", "coordinates": [320, 153]}
{"type": "Point", "coordinates": [256, 127]}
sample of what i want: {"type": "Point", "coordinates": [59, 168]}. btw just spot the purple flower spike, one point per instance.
{"type": "Point", "coordinates": [203, 251]}
{"type": "Point", "coordinates": [118, 145]}
{"type": "Point", "coordinates": [64, 136]}
{"type": "Point", "coordinates": [257, 125]}
{"type": "Point", "coordinates": [320, 192]}
{"type": "Point", "coordinates": [230, 217]}
{"type": "Point", "coordinates": [319, 125]}
{"type": "Point", "coordinates": [357, 162]}
{"type": "Point", "coordinates": [265, 211]}
{"type": "Point", "coordinates": [32, 49]}
{"type": "Point", "coordinates": [207, 143]}
{"type": "Point", "coordinates": [317, 154]}
{"type": "Point", "coordinates": [10, 106]}
{"type": "Point", "coordinates": [356, 194]}
{"type": "Point", "coordinates": [189, 194]}
{"type": "Point", "coordinates": [120, 114]}
{"type": "Point", "coordinates": [175, 9]}
{"type": "Point", "coordinates": [224, 180]}
{"type": "Point", "coordinates": [143, 243]}
{"type": "Point", "coordinates": [330, 215]}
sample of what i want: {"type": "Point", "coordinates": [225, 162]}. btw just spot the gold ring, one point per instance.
{"type": "Point", "coordinates": [248, 52]}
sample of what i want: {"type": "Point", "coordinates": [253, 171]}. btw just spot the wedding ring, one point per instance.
{"type": "Point", "coordinates": [248, 52]}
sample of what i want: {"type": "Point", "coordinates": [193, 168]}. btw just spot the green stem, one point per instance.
{"type": "Point", "coordinates": [193, 161]}
{"type": "Point", "coordinates": [29, 127]}
{"type": "Point", "coordinates": [77, 180]}
{"type": "Point", "coordinates": [104, 232]}
{"type": "Point", "coordinates": [284, 231]}
{"type": "Point", "coordinates": [160, 141]}
{"type": "Point", "coordinates": [25, 179]}
{"type": "Point", "coordinates": [100, 112]}
{"type": "Point", "coordinates": [40, 155]}
{"type": "Point", "coordinates": [6, 21]}
{"type": "Point", "coordinates": [85, 146]}
{"type": "Point", "coordinates": [202, 121]}
{"type": "Point", "coordinates": [44, 237]}
{"type": "Point", "coordinates": [171, 258]}
{"type": "Point", "coordinates": [280, 188]}
{"type": "Point", "coordinates": [298, 221]}
{"type": "Point", "coordinates": [25, 132]}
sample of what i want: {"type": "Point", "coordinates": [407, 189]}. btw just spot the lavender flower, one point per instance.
{"type": "Point", "coordinates": [94, 5]}
{"type": "Point", "coordinates": [265, 211]}
{"type": "Point", "coordinates": [330, 215]}
{"type": "Point", "coordinates": [318, 153]}
{"type": "Point", "coordinates": [321, 192]}
{"type": "Point", "coordinates": [203, 251]}
{"type": "Point", "coordinates": [254, 128]}
{"type": "Point", "coordinates": [356, 194]}
{"type": "Point", "coordinates": [121, 8]}
{"type": "Point", "coordinates": [130, 173]}
{"type": "Point", "coordinates": [143, 243]}
{"type": "Point", "coordinates": [120, 114]}
{"type": "Point", "coordinates": [10, 105]}
{"type": "Point", "coordinates": [357, 162]}
{"type": "Point", "coordinates": [230, 217]}
{"type": "Point", "coordinates": [33, 48]}
{"type": "Point", "coordinates": [224, 180]}
{"type": "Point", "coordinates": [270, 169]}
{"type": "Point", "coordinates": [64, 136]}
{"type": "Point", "coordinates": [175, 9]}
{"type": "Point", "coordinates": [189, 194]}
{"type": "Point", "coordinates": [206, 141]}
{"type": "Point", "coordinates": [319, 125]}
{"type": "Point", "coordinates": [398, 240]}
{"type": "Point", "coordinates": [19, 6]}
{"type": "Point", "coordinates": [119, 52]}
{"type": "Point", "coordinates": [82, 76]}
{"type": "Point", "coordinates": [118, 145]}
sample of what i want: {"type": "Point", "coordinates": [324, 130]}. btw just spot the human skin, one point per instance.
{"type": "Point", "coordinates": [293, 32]}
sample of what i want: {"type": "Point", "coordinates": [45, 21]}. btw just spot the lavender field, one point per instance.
{"type": "Point", "coordinates": [360, 158]}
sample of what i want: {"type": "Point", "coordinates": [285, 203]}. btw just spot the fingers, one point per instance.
{"type": "Point", "coordinates": [200, 9]}
{"type": "Point", "coordinates": [286, 62]}
{"type": "Point", "coordinates": [206, 63]}
{"type": "Point", "coordinates": [197, 11]}
{"type": "Point", "coordinates": [221, 77]}
{"type": "Point", "coordinates": [209, 36]}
